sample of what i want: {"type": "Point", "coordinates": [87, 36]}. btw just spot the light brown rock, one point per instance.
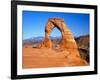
{"type": "Point", "coordinates": [67, 37]}
{"type": "Point", "coordinates": [67, 44]}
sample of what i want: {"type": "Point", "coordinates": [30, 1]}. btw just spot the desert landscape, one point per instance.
{"type": "Point", "coordinates": [48, 51]}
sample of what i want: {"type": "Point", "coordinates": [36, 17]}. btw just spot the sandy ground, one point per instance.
{"type": "Point", "coordinates": [43, 58]}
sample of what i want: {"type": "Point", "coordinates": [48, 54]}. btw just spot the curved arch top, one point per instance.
{"type": "Point", "coordinates": [67, 37]}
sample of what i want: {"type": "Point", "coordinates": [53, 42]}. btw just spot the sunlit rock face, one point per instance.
{"type": "Point", "coordinates": [67, 41]}
{"type": "Point", "coordinates": [67, 46]}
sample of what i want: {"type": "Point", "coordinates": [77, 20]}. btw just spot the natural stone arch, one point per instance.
{"type": "Point", "coordinates": [68, 46]}
{"type": "Point", "coordinates": [67, 37]}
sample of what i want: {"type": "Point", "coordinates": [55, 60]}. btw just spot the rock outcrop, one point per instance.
{"type": "Point", "coordinates": [67, 37]}
{"type": "Point", "coordinates": [67, 43]}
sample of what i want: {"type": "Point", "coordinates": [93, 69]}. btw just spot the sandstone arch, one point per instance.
{"type": "Point", "coordinates": [68, 45]}
{"type": "Point", "coordinates": [67, 37]}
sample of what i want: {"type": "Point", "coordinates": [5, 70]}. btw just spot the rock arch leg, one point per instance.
{"type": "Point", "coordinates": [47, 41]}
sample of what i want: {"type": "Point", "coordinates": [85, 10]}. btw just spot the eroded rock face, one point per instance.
{"type": "Point", "coordinates": [67, 44]}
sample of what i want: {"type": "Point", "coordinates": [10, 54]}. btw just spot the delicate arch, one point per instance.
{"type": "Point", "coordinates": [68, 45]}
{"type": "Point", "coordinates": [67, 42]}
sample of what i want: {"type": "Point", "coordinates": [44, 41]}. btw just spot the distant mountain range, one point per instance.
{"type": "Point", "coordinates": [32, 40]}
{"type": "Point", "coordinates": [82, 41]}
{"type": "Point", "coordinates": [39, 40]}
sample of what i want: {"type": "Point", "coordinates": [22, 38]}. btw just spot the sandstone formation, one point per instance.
{"type": "Point", "coordinates": [67, 44]}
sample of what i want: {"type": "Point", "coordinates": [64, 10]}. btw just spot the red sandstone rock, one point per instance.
{"type": "Point", "coordinates": [68, 43]}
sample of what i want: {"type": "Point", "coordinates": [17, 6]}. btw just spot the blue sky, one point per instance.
{"type": "Point", "coordinates": [33, 23]}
